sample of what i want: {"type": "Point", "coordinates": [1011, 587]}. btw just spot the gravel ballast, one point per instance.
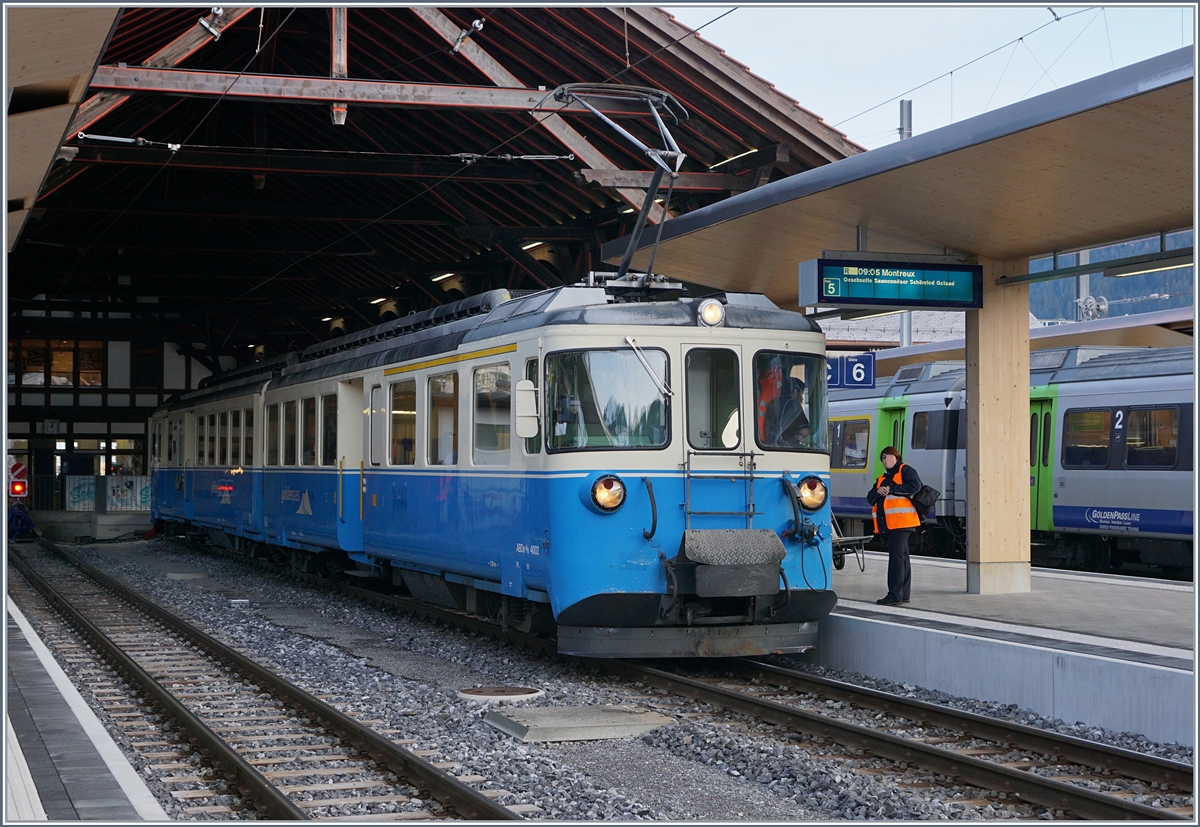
{"type": "Point", "coordinates": [710, 765]}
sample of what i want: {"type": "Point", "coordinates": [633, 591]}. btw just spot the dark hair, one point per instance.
{"type": "Point", "coordinates": [794, 383]}
{"type": "Point", "coordinates": [893, 451]}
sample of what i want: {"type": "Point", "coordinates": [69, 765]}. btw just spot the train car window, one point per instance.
{"type": "Point", "coordinates": [1153, 440]}
{"type": "Point", "coordinates": [533, 445]}
{"type": "Point", "coordinates": [1086, 438]}
{"type": "Point", "coordinates": [1046, 440]}
{"type": "Point", "coordinates": [606, 400]}
{"type": "Point", "coordinates": [212, 439]}
{"type": "Point", "coordinates": [920, 431]}
{"type": "Point", "coordinates": [404, 422]}
{"type": "Point", "coordinates": [170, 442]}
{"type": "Point", "coordinates": [308, 431]}
{"type": "Point", "coordinates": [713, 414]}
{"type": "Point", "coordinates": [1033, 440]}
{"type": "Point", "coordinates": [443, 419]}
{"type": "Point", "coordinates": [493, 415]}
{"type": "Point", "coordinates": [272, 434]}
{"type": "Point", "coordinates": [235, 437]}
{"type": "Point", "coordinates": [790, 410]}
{"type": "Point", "coordinates": [377, 426]}
{"type": "Point", "coordinates": [200, 439]}
{"type": "Point", "coordinates": [856, 437]}
{"type": "Point", "coordinates": [289, 432]}
{"type": "Point", "coordinates": [223, 439]}
{"type": "Point", "coordinates": [248, 446]}
{"type": "Point", "coordinates": [329, 415]}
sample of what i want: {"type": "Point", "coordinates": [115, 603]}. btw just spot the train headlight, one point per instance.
{"type": "Point", "coordinates": [813, 493]}
{"type": "Point", "coordinates": [608, 493]}
{"type": "Point", "coordinates": [710, 312]}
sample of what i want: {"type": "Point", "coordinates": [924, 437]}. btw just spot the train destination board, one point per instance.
{"type": "Point", "coordinates": [890, 284]}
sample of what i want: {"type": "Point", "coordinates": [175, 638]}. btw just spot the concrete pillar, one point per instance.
{"type": "Point", "coordinates": [998, 435]}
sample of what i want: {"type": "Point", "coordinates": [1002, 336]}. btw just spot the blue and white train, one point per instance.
{"type": "Point", "coordinates": [1110, 454]}
{"type": "Point", "coordinates": [607, 458]}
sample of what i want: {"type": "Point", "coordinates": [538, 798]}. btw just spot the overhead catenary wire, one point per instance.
{"type": "Point", "coordinates": [1063, 52]}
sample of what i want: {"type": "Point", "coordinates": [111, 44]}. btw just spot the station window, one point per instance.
{"type": "Point", "coordinates": [493, 415]}
{"type": "Point", "coordinates": [33, 362]}
{"type": "Point", "coordinates": [223, 439]}
{"type": "Point", "coordinates": [713, 413]}
{"type": "Point", "coordinates": [145, 366]}
{"type": "Point", "coordinates": [62, 363]}
{"type": "Point", "coordinates": [248, 424]}
{"type": "Point", "coordinates": [404, 422]}
{"type": "Point", "coordinates": [443, 419]}
{"type": "Point", "coordinates": [212, 439]}
{"type": "Point", "coordinates": [308, 431]}
{"type": "Point", "coordinates": [533, 444]}
{"type": "Point", "coordinates": [1153, 438]}
{"type": "Point", "coordinates": [235, 437]}
{"type": "Point", "coordinates": [91, 364]}
{"type": "Point", "coordinates": [1086, 438]}
{"type": "Point", "coordinates": [329, 429]}
{"type": "Point", "coordinates": [289, 432]}
{"type": "Point", "coordinates": [272, 434]}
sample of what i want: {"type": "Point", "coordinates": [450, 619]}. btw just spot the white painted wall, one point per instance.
{"type": "Point", "coordinates": [174, 367]}
{"type": "Point", "coordinates": [118, 364]}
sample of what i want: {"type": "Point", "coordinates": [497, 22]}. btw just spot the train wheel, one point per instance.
{"type": "Point", "coordinates": [1096, 556]}
{"type": "Point", "coordinates": [839, 561]}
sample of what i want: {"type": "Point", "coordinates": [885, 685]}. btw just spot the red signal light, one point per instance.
{"type": "Point", "coordinates": [17, 488]}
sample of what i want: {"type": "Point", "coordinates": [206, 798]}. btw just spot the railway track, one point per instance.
{"type": "Point", "coordinates": [248, 740]}
{"type": "Point", "coordinates": [1025, 764]}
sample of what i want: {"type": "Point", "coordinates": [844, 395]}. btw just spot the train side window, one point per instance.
{"type": "Point", "coordinates": [223, 439]}
{"type": "Point", "coordinates": [200, 439]}
{"type": "Point", "coordinates": [212, 439]}
{"type": "Point", "coordinates": [170, 442]}
{"type": "Point", "coordinates": [235, 437]}
{"type": "Point", "coordinates": [1086, 438]}
{"type": "Point", "coordinates": [289, 432]}
{"type": "Point", "coordinates": [493, 415]}
{"type": "Point", "coordinates": [920, 431]}
{"type": "Point", "coordinates": [533, 445]}
{"type": "Point", "coordinates": [308, 431]}
{"type": "Point", "coordinates": [248, 442]}
{"type": "Point", "coordinates": [329, 415]}
{"type": "Point", "coordinates": [856, 437]}
{"type": "Point", "coordinates": [1153, 440]}
{"type": "Point", "coordinates": [273, 434]}
{"type": "Point", "coordinates": [404, 422]}
{"type": "Point", "coordinates": [1046, 440]}
{"type": "Point", "coordinates": [713, 412]}
{"type": "Point", "coordinates": [1033, 440]}
{"type": "Point", "coordinates": [377, 425]}
{"type": "Point", "coordinates": [443, 419]}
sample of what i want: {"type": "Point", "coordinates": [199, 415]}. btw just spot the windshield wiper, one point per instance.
{"type": "Point", "coordinates": [659, 383]}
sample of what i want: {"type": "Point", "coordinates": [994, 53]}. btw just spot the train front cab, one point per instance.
{"type": "Point", "coordinates": [719, 543]}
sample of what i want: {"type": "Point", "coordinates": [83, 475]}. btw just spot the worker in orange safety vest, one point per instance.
{"type": "Point", "coordinates": [896, 519]}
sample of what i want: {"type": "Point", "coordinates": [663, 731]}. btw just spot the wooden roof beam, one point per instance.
{"type": "Point", "coordinates": [552, 123]}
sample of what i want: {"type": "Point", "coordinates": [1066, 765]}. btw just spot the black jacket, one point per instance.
{"type": "Point", "coordinates": [908, 484]}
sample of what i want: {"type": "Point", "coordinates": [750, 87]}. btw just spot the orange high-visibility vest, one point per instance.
{"type": "Point", "coordinates": [898, 512]}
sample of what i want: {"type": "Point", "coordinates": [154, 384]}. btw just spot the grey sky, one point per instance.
{"type": "Point", "coordinates": [839, 61]}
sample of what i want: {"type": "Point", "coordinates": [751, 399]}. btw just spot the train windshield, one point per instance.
{"type": "Point", "coordinates": [606, 399]}
{"type": "Point", "coordinates": [790, 410]}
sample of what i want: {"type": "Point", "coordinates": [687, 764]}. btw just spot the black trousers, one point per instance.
{"type": "Point", "coordinates": [899, 569]}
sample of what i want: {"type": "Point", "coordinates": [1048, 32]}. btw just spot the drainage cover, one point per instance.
{"type": "Point", "coordinates": [576, 723]}
{"type": "Point", "coordinates": [483, 694]}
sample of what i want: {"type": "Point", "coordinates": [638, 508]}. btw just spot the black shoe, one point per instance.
{"type": "Point", "coordinates": [889, 601]}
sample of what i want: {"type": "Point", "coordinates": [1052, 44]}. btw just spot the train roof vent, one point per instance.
{"type": "Point", "coordinates": [1047, 359]}
{"type": "Point", "coordinates": [477, 305]}
{"type": "Point", "coordinates": [938, 368]}
{"type": "Point", "coordinates": [272, 367]}
{"type": "Point", "coordinates": [912, 373]}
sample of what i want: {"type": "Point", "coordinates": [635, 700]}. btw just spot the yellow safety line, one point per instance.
{"type": "Point", "coordinates": [450, 360]}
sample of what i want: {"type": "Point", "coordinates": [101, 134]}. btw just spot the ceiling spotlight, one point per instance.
{"type": "Point", "coordinates": [327, 319]}
{"type": "Point", "coordinates": [531, 245]}
{"type": "Point", "coordinates": [378, 301]}
{"type": "Point", "coordinates": [442, 277]}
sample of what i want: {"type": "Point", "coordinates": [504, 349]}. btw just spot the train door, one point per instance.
{"type": "Point", "coordinates": [715, 424]}
{"type": "Point", "coordinates": [891, 431]}
{"type": "Point", "coordinates": [350, 461]}
{"type": "Point", "coordinates": [1041, 446]}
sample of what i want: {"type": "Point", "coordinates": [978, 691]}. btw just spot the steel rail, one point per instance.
{"type": "Point", "coordinates": [455, 795]}
{"type": "Point", "coordinates": [1031, 788]}
{"type": "Point", "coordinates": [1078, 750]}
{"type": "Point", "coordinates": [253, 786]}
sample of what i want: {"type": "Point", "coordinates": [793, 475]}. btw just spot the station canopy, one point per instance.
{"type": "Point", "coordinates": [1106, 159]}
{"type": "Point", "coordinates": [234, 209]}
